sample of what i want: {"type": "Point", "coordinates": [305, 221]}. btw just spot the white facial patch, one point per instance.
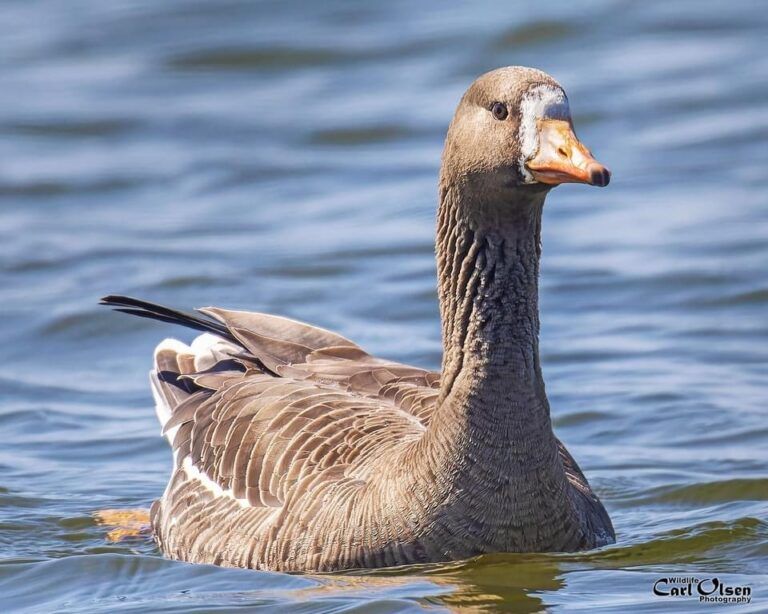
{"type": "Point", "coordinates": [540, 102]}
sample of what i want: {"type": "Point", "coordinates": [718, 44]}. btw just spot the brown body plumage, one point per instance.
{"type": "Point", "coordinates": [296, 450]}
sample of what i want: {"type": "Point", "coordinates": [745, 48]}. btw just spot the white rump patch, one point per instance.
{"type": "Point", "coordinates": [161, 407]}
{"type": "Point", "coordinates": [540, 102]}
{"type": "Point", "coordinates": [204, 342]}
{"type": "Point", "coordinates": [208, 349]}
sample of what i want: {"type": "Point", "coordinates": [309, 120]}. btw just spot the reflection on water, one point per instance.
{"type": "Point", "coordinates": [504, 583]}
{"type": "Point", "coordinates": [282, 157]}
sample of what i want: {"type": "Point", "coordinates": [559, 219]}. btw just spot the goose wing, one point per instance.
{"type": "Point", "coordinates": [266, 415]}
{"type": "Point", "coordinates": [309, 401]}
{"type": "Point", "coordinates": [300, 351]}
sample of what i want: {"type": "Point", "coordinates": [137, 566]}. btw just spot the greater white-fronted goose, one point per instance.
{"type": "Point", "coordinates": [296, 450]}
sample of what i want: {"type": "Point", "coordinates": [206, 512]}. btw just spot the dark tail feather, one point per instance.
{"type": "Point", "coordinates": [153, 311]}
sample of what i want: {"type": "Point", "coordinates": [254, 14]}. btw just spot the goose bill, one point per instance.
{"type": "Point", "coordinates": [562, 158]}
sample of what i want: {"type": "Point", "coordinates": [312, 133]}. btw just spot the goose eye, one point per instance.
{"type": "Point", "coordinates": [499, 110]}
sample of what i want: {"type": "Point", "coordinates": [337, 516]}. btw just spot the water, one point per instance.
{"type": "Point", "coordinates": [282, 157]}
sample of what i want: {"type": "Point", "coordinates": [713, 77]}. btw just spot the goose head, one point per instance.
{"type": "Point", "coordinates": [513, 130]}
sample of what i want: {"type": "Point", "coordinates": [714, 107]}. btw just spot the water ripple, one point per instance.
{"type": "Point", "coordinates": [283, 157]}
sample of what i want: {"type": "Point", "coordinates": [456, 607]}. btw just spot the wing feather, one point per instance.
{"type": "Point", "coordinates": [275, 412]}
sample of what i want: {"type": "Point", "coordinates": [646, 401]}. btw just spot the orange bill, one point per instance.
{"type": "Point", "coordinates": [562, 158]}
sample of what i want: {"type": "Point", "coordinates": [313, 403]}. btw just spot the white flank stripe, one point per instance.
{"type": "Point", "coordinates": [193, 473]}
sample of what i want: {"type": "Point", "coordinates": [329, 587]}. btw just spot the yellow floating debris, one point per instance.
{"type": "Point", "coordinates": [126, 524]}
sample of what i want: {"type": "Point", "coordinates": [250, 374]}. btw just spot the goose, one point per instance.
{"type": "Point", "coordinates": [295, 450]}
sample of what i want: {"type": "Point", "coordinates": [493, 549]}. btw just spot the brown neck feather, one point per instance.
{"type": "Point", "coordinates": [492, 406]}
{"type": "Point", "coordinates": [488, 269]}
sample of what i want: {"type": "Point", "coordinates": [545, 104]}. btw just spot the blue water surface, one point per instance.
{"type": "Point", "coordinates": [282, 157]}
